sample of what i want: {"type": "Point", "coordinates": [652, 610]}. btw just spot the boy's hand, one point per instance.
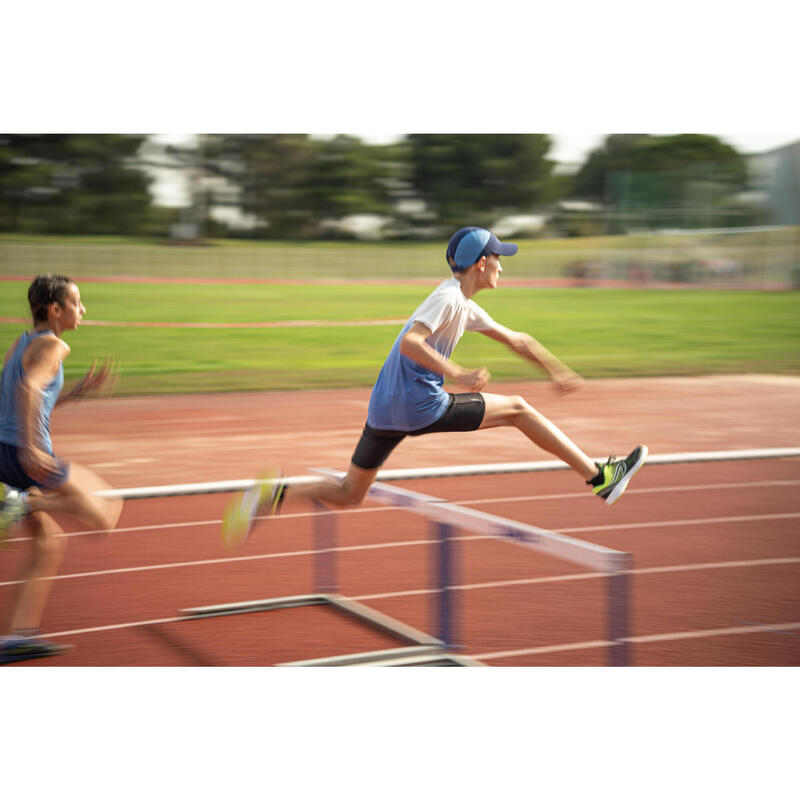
{"type": "Point", "coordinates": [475, 380]}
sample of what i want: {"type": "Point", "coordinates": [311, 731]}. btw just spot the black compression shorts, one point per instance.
{"type": "Point", "coordinates": [463, 413]}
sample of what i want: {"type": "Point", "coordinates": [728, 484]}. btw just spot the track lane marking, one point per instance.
{"type": "Point", "coordinates": [573, 576]}
{"type": "Point", "coordinates": [482, 501]}
{"type": "Point", "coordinates": [577, 576]}
{"type": "Point", "coordinates": [409, 543]}
{"type": "Point", "coordinates": [501, 654]}
{"type": "Point", "coordinates": [655, 637]}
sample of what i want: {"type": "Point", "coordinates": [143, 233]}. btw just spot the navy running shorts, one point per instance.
{"type": "Point", "coordinates": [12, 474]}
{"type": "Point", "coordinates": [463, 413]}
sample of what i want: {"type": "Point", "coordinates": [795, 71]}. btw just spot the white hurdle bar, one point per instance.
{"type": "Point", "coordinates": [456, 471]}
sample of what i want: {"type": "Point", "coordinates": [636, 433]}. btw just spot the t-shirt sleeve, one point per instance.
{"type": "Point", "coordinates": [435, 311]}
{"type": "Point", "coordinates": [478, 319]}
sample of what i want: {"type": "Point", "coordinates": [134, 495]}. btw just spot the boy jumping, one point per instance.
{"type": "Point", "coordinates": [408, 398]}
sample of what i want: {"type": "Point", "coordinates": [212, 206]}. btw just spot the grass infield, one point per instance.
{"type": "Point", "coordinates": [599, 332]}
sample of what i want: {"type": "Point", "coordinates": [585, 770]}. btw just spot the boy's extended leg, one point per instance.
{"type": "Point", "coordinates": [608, 481]}
{"type": "Point", "coordinates": [514, 410]}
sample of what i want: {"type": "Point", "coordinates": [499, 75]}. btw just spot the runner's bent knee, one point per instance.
{"type": "Point", "coordinates": [100, 513]}
{"type": "Point", "coordinates": [49, 539]}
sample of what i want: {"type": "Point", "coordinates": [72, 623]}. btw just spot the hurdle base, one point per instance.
{"type": "Point", "coordinates": [422, 649]}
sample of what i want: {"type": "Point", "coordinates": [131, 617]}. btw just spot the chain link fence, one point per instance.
{"type": "Point", "coordinates": [760, 258]}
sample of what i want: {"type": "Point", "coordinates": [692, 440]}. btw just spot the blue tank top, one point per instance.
{"type": "Point", "coordinates": [11, 426]}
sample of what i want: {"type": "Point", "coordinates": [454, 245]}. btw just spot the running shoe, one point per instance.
{"type": "Point", "coordinates": [616, 474]}
{"type": "Point", "coordinates": [264, 498]}
{"type": "Point", "coordinates": [25, 648]}
{"type": "Point", "coordinates": [12, 509]}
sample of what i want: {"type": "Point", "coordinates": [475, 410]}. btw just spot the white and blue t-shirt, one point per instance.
{"type": "Point", "coordinates": [408, 396]}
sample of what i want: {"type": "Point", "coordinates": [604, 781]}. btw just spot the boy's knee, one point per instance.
{"type": "Point", "coordinates": [49, 540]}
{"type": "Point", "coordinates": [519, 405]}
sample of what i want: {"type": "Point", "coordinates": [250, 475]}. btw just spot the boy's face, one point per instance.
{"type": "Point", "coordinates": [491, 271]}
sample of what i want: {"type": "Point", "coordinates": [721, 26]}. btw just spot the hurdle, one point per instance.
{"type": "Point", "coordinates": [417, 647]}
{"type": "Point", "coordinates": [421, 648]}
{"type": "Point", "coordinates": [445, 517]}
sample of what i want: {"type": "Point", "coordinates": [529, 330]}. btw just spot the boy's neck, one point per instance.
{"type": "Point", "coordinates": [467, 281]}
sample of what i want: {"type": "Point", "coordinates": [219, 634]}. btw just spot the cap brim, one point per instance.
{"type": "Point", "coordinates": [505, 249]}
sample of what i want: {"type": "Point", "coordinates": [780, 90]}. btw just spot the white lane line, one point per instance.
{"type": "Point", "coordinates": [409, 543]}
{"type": "Point", "coordinates": [680, 522]}
{"type": "Point", "coordinates": [233, 559]}
{"type": "Point", "coordinates": [521, 581]}
{"type": "Point", "coordinates": [482, 501]}
{"type": "Point", "coordinates": [656, 637]}
{"type": "Point", "coordinates": [204, 522]}
{"type": "Point", "coordinates": [578, 576]}
{"type": "Point", "coordinates": [115, 627]}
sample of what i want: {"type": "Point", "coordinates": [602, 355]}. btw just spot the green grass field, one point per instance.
{"type": "Point", "coordinates": [599, 332]}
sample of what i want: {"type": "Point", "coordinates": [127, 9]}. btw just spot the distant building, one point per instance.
{"type": "Point", "coordinates": [775, 183]}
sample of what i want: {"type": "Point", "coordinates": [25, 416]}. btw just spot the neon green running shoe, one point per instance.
{"type": "Point", "coordinates": [12, 509]}
{"type": "Point", "coordinates": [263, 498]}
{"type": "Point", "coordinates": [617, 473]}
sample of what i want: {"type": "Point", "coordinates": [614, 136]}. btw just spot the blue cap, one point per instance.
{"type": "Point", "coordinates": [469, 244]}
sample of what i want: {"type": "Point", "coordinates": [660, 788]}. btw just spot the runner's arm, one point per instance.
{"type": "Point", "coordinates": [525, 346]}
{"type": "Point", "coordinates": [414, 346]}
{"type": "Point", "coordinates": [92, 382]}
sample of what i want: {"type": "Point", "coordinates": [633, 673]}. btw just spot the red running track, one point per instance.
{"type": "Point", "coordinates": [716, 552]}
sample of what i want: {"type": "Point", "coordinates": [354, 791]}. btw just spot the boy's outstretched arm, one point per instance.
{"type": "Point", "coordinates": [527, 347]}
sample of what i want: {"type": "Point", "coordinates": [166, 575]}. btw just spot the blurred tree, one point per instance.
{"type": "Point", "coordinates": [72, 183]}
{"type": "Point", "coordinates": [473, 179]}
{"type": "Point", "coordinates": [348, 177]}
{"type": "Point", "coordinates": [685, 180]}
{"type": "Point", "coordinates": [293, 182]}
{"type": "Point", "coordinates": [616, 154]}
{"type": "Point", "coordinates": [269, 171]}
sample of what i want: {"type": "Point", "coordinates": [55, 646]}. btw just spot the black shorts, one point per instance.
{"type": "Point", "coordinates": [11, 471]}
{"type": "Point", "coordinates": [463, 413]}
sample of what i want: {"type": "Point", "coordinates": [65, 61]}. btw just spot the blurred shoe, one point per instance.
{"type": "Point", "coordinates": [615, 474]}
{"type": "Point", "coordinates": [13, 508]}
{"type": "Point", "coordinates": [25, 648]}
{"type": "Point", "coordinates": [264, 498]}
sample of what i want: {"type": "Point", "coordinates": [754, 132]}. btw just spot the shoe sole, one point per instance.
{"type": "Point", "coordinates": [622, 485]}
